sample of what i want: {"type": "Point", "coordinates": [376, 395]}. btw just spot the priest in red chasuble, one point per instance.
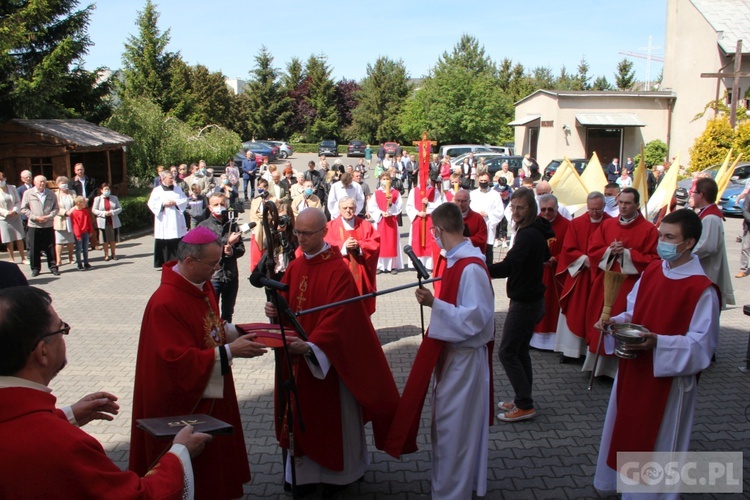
{"type": "Point", "coordinates": [385, 209]}
{"type": "Point", "coordinates": [626, 244]}
{"type": "Point", "coordinates": [544, 331]}
{"type": "Point", "coordinates": [359, 244]}
{"type": "Point", "coordinates": [184, 363]}
{"type": "Point", "coordinates": [574, 268]}
{"type": "Point", "coordinates": [652, 404]}
{"type": "Point", "coordinates": [342, 376]}
{"type": "Point", "coordinates": [45, 453]}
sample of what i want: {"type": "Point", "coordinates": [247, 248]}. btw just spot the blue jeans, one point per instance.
{"type": "Point", "coordinates": [82, 244]}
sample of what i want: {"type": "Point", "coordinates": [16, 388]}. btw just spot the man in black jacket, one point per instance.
{"type": "Point", "coordinates": [523, 266]}
{"type": "Point", "coordinates": [86, 186]}
{"type": "Point", "coordinates": [226, 280]}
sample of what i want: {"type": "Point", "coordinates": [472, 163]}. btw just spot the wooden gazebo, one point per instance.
{"type": "Point", "coordinates": [52, 147]}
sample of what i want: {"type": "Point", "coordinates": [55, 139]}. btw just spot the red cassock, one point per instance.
{"type": "Point", "coordinates": [181, 328]}
{"type": "Point", "coordinates": [348, 339]}
{"type": "Point", "coordinates": [388, 226]}
{"type": "Point", "coordinates": [475, 229]}
{"type": "Point", "coordinates": [553, 283]}
{"type": "Point", "coordinates": [423, 246]}
{"type": "Point", "coordinates": [363, 264]}
{"type": "Point", "coordinates": [45, 456]}
{"type": "Point", "coordinates": [576, 290]}
{"type": "Point", "coordinates": [640, 237]}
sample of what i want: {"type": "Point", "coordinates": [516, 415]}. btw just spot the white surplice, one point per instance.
{"type": "Point", "coordinates": [712, 252]}
{"type": "Point", "coordinates": [491, 204]}
{"type": "Point", "coordinates": [411, 212]}
{"type": "Point", "coordinates": [169, 222]}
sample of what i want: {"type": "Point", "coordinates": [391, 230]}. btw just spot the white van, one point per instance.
{"type": "Point", "coordinates": [454, 150]}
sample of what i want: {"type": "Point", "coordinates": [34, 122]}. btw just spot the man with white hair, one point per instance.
{"type": "Point", "coordinates": [542, 188]}
{"type": "Point", "coordinates": [345, 188]}
{"type": "Point", "coordinates": [39, 205]}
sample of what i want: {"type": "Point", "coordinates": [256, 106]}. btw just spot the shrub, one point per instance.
{"type": "Point", "coordinates": [655, 153]}
{"type": "Point", "coordinates": [135, 214]}
{"type": "Point", "coordinates": [712, 146]}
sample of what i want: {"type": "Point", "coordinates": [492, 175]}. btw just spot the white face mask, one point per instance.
{"type": "Point", "coordinates": [439, 243]}
{"type": "Point", "coordinates": [63, 186]}
{"type": "Point", "coordinates": [2, 184]}
{"type": "Point", "coordinates": [218, 210]}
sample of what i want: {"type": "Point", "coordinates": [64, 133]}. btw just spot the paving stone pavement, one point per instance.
{"type": "Point", "coordinates": [551, 456]}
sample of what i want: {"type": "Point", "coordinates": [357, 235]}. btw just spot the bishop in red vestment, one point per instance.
{"type": "Point", "coordinates": [360, 247]}
{"type": "Point", "coordinates": [574, 268]}
{"type": "Point", "coordinates": [343, 378]}
{"type": "Point", "coordinates": [544, 331]}
{"type": "Point", "coordinates": [181, 369]}
{"type": "Point", "coordinates": [625, 244]}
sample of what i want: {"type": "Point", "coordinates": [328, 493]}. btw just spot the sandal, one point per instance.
{"type": "Point", "coordinates": [106, 258]}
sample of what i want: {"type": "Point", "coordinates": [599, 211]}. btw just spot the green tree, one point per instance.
{"type": "Point", "coordinates": [543, 78]}
{"type": "Point", "coordinates": [268, 105]}
{"type": "Point", "coordinates": [461, 100]}
{"type": "Point", "coordinates": [654, 153]}
{"type": "Point", "coordinates": [581, 79]}
{"type": "Point", "coordinates": [322, 99]}
{"type": "Point", "coordinates": [565, 81]}
{"type": "Point", "coordinates": [212, 99]}
{"type": "Point", "coordinates": [147, 64]}
{"type": "Point", "coordinates": [296, 87]}
{"type": "Point", "coordinates": [711, 147]}
{"type": "Point", "coordinates": [41, 48]}
{"type": "Point", "coordinates": [625, 76]}
{"type": "Point", "coordinates": [601, 83]}
{"type": "Point", "coordinates": [382, 94]}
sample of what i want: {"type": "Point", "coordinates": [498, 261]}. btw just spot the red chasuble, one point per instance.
{"type": "Point", "coordinates": [180, 329]}
{"type": "Point", "coordinates": [552, 283]}
{"type": "Point", "coordinates": [44, 456]}
{"type": "Point", "coordinates": [348, 339]}
{"type": "Point", "coordinates": [364, 264]}
{"type": "Point", "coordinates": [422, 247]}
{"type": "Point", "coordinates": [640, 236]}
{"type": "Point", "coordinates": [388, 226]}
{"type": "Point", "coordinates": [475, 229]}
{"type": "Point", "coordinates": [574, 296]}
{"type": "Point", "coordinates": [641, 397]}
{"type": "Point", "coordinates": [402, 438]}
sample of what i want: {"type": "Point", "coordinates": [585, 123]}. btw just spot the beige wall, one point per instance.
{"type": "Point", "coordinates": [691, 48]}
{"type": "Point", "coordinates": [555, 143]}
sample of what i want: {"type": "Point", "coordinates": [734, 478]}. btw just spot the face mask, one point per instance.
{"type": "Point", "coordinates": [218, 210]}
{"type": "Point", "coordinates": [63, 186]}
{"type": "Point", "coordinates": [225, 182]}
{"type": "Point", "coordinates": [200, 173]}
{"type": "Point", "coordinates": [483, 185]}
{"type": "Point", "coordinates": [610, 201]}
{"type": "Point", "coordinates": [2, 184]}
{"type": "Point", "coordinates": [105, 194]}
{"type": "Point", "coordinates": [439, 243]}
{"type": "Point", "coordinates": [668, 251]}
{"type": "Point", "coordinates": [308, 191]}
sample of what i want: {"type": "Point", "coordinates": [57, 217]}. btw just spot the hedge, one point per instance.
{"type": "Point", "coordinates": [306, 147]}
{"type": "Point", "coordinates": [135, 214]}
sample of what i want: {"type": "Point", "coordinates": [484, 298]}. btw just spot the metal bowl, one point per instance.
{"type": "Point", "coordinates": [625, 334]}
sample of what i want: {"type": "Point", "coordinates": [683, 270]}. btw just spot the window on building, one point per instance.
{"type": "Point", "coordinates": [42, 166]}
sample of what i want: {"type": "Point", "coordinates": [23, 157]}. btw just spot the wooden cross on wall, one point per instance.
{"type": "Point", "coordinates": [736, 75]}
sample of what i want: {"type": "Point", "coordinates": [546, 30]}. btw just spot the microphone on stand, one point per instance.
{"type": "Point", "coordinates": [418, 265]}
{"type": "Point", "coordinates": [258, 280]}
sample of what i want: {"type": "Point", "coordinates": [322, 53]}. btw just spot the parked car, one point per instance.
{"type": "Point", "coordinates": [503, 150]}
{"type": "Point", "coordinates": [728, 202]}
{"type": "Point", "coordinates": [578, 163]}
{"type": "Point", "coordinates": [284, 148]}
{"type": "Point", "coordinates": [264, 150]}
{"type": "Point", "coordinates": [454, 150]}
{"type": "Point", "coordinates": [328, 148]}
{"type": "Point", "coordinates": [356, 148]}
{"type": "Point", "coordinates": [390, 148]}
{"type": "Point", "coordinates": [494, 163]}
{"type": "Point", "coordinates": [741, 174]}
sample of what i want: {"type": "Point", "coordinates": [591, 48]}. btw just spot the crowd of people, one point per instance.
{"type": "Point", "coordinates": [320, 236]}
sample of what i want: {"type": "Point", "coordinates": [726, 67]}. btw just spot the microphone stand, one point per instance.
{"type": "Point", "coordinates": [289, 387]}
{"type": "Point", "coordinates": [421, 307]}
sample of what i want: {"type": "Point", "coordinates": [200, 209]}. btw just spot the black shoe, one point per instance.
{"type": "Point", "coordinates": [379, 271]}
{"type": "Point", "coordinates": [303, 490]}
{"type": "Point", "coordinates": [333, 490]}
{"type": "Point", "coordinates": [80, 267]}
{"type": "Point", "coordinates": [88, 266]}
{"type": "Point", "coordinates": [56, 272]}
{"type": "Point", "coordinates": [34, 273]}
{"type": "Point", "coordinates": [393, 271]}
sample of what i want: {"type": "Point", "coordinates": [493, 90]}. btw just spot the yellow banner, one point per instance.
{"type": "Point", "coordinates": [593, 177]}
{"type": "Point", "coordinates": [662, 197]}
{"type": "Point", "coordinates": [567, 186]}
{"type": "Point", "coordinates": [723, 178]}
{"type": "Point", "coordinates": [640, 180]}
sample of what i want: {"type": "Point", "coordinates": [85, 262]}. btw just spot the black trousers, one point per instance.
{"type": "Point", "coordinates": [513, 352]}
{"type": "Point", "coordinates": [249, 181]}
{"type": "Point", "coordinates": [164, 251]}
{"type": "Point", "coordinates": [226, 293]}
{"type": "Point", "coordinates": [38, 240]}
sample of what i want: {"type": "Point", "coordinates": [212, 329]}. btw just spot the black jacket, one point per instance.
{"type": "Point", "coordinates": [524, 263]}
{"type": "Point", "coordinates": [228, 267]}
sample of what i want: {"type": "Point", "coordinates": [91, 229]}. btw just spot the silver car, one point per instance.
{"type": "Point", "coordinates": [285, 149]}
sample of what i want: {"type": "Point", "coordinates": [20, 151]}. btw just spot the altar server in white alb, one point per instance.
{"type": "Point", "coordinates": [487, 202]}
{"type": "Point", "coordinates": [168, 203]}
{"type": "Point", "coordinates": [653, 398]}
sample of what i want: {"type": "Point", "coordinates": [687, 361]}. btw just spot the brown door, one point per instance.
{"type": "Point", "coordinates": [606, 142]}
{"type": "Point", "coordinates": [533, 140]}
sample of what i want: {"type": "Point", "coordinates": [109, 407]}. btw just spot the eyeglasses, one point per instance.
{"type": "Point", "coordinates": [549, 209]}
{"type": "Point", "coordinates": [433, 228]}
{"type": "Point", "coordinates": [213, 266]}
{"type": "Point", "coordinates": [306, 234]}
{"type": "Point", "coordinates": [64, 330]}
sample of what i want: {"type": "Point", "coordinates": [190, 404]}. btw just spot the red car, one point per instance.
{"type": "Point", "coordinates": [390, 148]}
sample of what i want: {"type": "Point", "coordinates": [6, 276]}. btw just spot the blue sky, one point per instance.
{"type": "Point", "coordinates": [225, 35]}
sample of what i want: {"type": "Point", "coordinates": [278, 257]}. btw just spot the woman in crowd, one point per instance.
{"type": "Point", "coordinates": [197, 206]}
{"type": "Point", "coordinates": [63, 229]}
{"type": "Point", "coordinates": [624, 181]}
{"type": "Point", "coordinates": [107, 209]}
{"type": "Point", "coordinates": [226, 188]}
{"type": "Point", "coordinates": [11, 224]}
{"type": "Point", "coordinates": [232, 173]}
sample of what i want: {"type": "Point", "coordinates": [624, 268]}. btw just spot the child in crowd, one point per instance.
{"type": "Point", "coordinates": [82, 228]}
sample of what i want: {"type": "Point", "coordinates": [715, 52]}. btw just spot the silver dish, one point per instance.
{"type": "Point", "coordinates": [626, 334]}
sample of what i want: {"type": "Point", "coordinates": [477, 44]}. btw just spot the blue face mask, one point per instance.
{"type": "Point", "coordinates": [308, 191]}
{"type": "Point", "coordinates": [668, 251]}
{"type": "Point", "coordinates": [610, 201]}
